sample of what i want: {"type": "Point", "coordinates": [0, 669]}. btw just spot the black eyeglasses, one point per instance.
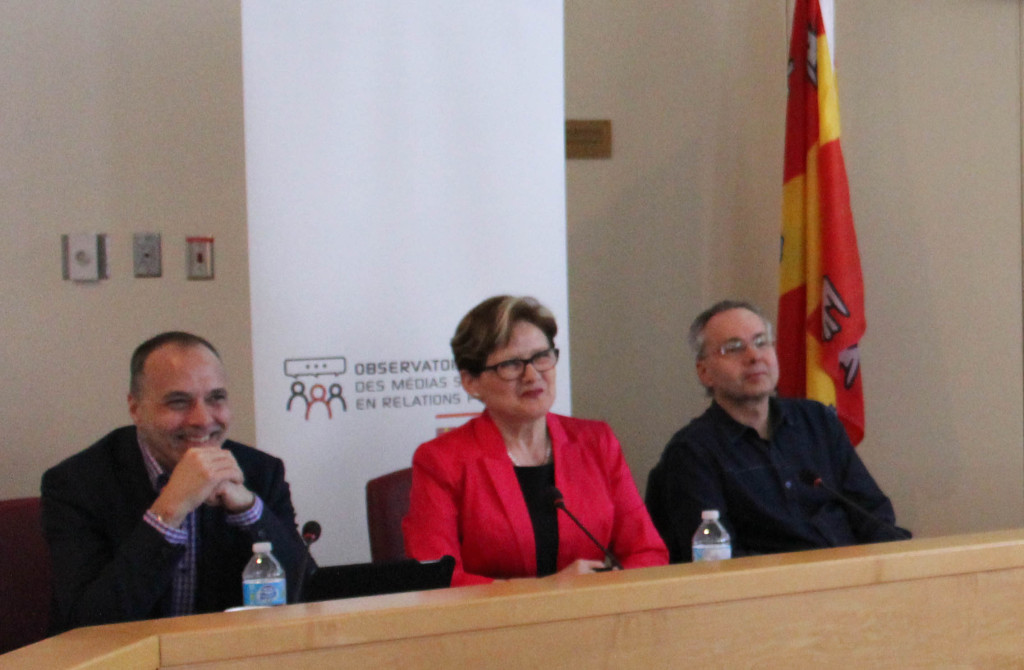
{"type": "Point", "coordinates": [513, 368]}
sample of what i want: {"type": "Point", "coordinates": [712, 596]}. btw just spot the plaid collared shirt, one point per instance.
{"type": "Point", "coordinates": [183, 600]}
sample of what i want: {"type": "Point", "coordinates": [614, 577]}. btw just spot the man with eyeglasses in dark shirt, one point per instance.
{"type": "Point", "coordinates": [771, 466]}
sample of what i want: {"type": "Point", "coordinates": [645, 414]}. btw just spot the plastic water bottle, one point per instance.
{"type": "Point", "coordinates": [263, 582]}
{"type": "Point", "coordinates": [711, 542]}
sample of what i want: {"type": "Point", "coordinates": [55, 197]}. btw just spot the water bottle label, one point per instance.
{"type": "Point", "coordinates": [717, 552]}
{"type": "Point", "coordinates": [264, 593]}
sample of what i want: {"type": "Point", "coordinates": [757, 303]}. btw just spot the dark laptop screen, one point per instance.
{"type": "Point", "coordinates": [372, 579]}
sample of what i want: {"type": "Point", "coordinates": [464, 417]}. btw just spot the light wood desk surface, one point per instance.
{"type": "Point", "coordinates": [930, 603]}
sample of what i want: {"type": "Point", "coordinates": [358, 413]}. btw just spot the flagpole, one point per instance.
{"type": "Point", "coordinates": [828, 17]}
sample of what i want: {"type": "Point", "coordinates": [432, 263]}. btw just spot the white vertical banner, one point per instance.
{"type": "Point", "coordinates": [404, 160]}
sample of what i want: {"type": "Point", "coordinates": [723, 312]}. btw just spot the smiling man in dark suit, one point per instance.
{"type": "Point", "coordinates": [158, 519]}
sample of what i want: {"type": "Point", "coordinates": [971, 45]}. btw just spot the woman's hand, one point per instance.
{"type": "Point", "coordinates": [581, 566]}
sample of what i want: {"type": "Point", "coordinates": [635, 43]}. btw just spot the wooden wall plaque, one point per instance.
{"type": "Point", "coordinates": [588, 138]}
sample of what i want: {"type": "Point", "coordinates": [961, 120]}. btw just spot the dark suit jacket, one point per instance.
{"type": "Point", "coordinates": [109, 565]}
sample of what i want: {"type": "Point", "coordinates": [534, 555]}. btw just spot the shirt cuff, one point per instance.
{"type": "Point", "coordinates": [171, 534]}
{"type": "Point", "coordinates": [249, 516]}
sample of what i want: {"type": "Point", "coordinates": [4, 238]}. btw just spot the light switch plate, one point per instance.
{"type": "Point", "coordinates": [146, 254]}
{"type": "Point", "coordinates": [84, 256]}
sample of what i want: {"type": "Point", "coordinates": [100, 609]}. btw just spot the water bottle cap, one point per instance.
{"type": "Point", "coordinates": [261, 547]}
{"type": "Point", "coordinates": [709, 514]}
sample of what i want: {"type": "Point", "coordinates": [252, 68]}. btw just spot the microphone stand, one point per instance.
{"type": "Point", "coordinates": [812, 478]}
{"type": "Point", "coordinates": [609, 557]}
{"type": "Point", "coordinates": [310, 534]}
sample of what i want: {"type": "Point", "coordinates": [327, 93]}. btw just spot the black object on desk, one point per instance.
{"type": "Point", "coordinates": [373, 579]}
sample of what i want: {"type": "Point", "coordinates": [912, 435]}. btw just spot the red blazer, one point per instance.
{"type": "Point", "coordinates": [466, 502]}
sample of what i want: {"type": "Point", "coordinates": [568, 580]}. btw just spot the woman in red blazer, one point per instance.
{"type": "Point", "coordinates": [484, 492]}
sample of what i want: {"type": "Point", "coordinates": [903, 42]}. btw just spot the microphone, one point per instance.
{"type": "Point", "coordinates": [559, 503]}
{"type": "Point", "coordinates": [812, 478]}
{"type": "Point", "coordinates": [310, 533]}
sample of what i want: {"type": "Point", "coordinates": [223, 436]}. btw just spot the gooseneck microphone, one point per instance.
{"type": "Point", "coordinates": [812, 478]}
{"type": "Point", "coordinates": [559, 503]}
{"type": "Point", "coordinates": [310, 534]}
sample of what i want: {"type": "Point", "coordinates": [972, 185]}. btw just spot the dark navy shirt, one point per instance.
{"type": "Point", "coordinates": [717, 463]}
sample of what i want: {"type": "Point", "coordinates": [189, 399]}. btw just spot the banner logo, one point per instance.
{"type": "Point", "coordinates": [318, 393]}
{"type": "Point", "coordinates": [380, 384]}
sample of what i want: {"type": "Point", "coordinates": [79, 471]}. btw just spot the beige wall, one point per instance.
{"type": "Point", "coordinates": [687, 212]}
{"type": "Point", "coordinates": [125, 116]}
{"type": "Point", "coordinates": [933, 135]}
{"type": "Point", "coordinates": [115, 117]}
{"type": "Point", "coordinates": [687, 209]}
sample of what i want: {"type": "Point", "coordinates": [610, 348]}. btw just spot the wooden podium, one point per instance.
{"type": "Point", "coordinates": [941, 602]}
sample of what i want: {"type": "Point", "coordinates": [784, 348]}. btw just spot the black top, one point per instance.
{"type": "Point", "coordinates": [536, 482]}
{"type": "Point", "coordinates": [717, 463]}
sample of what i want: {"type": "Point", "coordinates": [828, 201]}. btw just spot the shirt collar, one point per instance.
{"type": "Point", "coordinates": [153, 469]}
{"type": "Point", "coordinates": [735, 430]}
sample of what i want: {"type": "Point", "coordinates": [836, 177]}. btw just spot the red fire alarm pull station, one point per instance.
{"type": "Point", "coordinates": [200, 257]}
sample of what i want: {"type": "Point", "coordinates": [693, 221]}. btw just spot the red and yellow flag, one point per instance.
{"type": "Point", "coordinates": [821, 290]}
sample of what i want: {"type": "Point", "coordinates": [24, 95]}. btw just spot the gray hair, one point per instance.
{"type": "Point", "coordinates": [696, 334]}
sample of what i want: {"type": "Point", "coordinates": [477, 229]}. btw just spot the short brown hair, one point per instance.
{"type": "Point", "coordinates": [142, 352]}
{"type": "Point", "coordinates": [488, 326]}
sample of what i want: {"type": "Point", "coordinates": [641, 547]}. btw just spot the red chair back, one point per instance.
{"type": "Point", "coordinates": [25, 574]}
{"type": "Point", "coordinates": [387, 501]}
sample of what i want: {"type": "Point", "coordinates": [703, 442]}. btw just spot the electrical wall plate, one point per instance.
{"type": "Point", "coordinates": [84, 257]}
{"type": "Point", "coordinates": [200, 257]}
{"type": "Point", "coordinates": [146, 254]}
